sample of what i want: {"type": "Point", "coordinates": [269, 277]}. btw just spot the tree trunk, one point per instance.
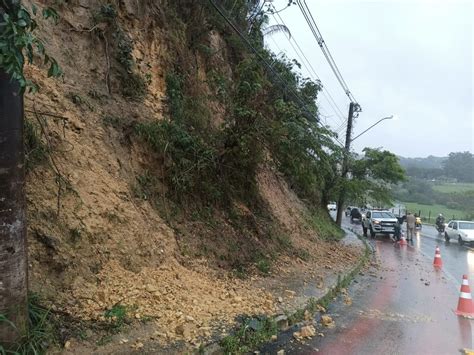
{"type": "Point", "coordinates": [13, 246]}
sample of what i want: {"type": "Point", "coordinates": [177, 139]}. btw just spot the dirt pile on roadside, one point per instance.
{"type": "Point", "coordinates": [172, 296]}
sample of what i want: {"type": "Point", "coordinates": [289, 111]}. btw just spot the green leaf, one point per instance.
{"type": "Point", "coordinates": [51, 13]}
{"type": "Point", "coordinates": [18, 42]}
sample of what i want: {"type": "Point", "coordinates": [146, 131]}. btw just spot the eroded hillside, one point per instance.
{"type": "Point", "coordinates": [161, 174]}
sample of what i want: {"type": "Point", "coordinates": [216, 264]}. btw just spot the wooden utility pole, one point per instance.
{"type": "Point", "coordinates": [345, 162]}
{"type": "Point", "coordinates": [13, 246]}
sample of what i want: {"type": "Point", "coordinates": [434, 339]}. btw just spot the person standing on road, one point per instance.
{"type": "Point", "coordinates": [411, 221]}
{"type": "Point", "coordinates": [397, 232]}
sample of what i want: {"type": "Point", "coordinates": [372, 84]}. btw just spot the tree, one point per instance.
{"type": "Point", "coordinates": [460, 166]}
{"type": "Point", "coordinates": [16, 42]}
{"type": "Point", "coordinates": [372, 175]}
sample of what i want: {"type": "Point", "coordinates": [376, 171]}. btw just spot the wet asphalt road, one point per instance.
{"type": "Point", "coordinates": [402, 306]}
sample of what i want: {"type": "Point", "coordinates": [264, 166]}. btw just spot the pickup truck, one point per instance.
{"type": "Point", "coordinates": [379, 222]}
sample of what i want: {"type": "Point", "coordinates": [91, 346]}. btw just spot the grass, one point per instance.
{"type": "Point", "coordinates": [41, 334]}
{"type": "Point", "coordinates": [454, 187]}
{"type": "Point", "coordinates": [448, 213]}
{"type": "Point", "coordinates": [264, 266]}
{"type": "Point", "coordinates": [252, 332]}
{"type": "Point", "coordinates": [324, 225]}
{"type": "Point", "coordinates": [117, 316]}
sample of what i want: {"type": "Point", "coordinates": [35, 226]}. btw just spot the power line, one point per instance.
{"type": "Point", "coordinates": [307, 61]}
{"type": "Point", "coordinates": [266, 64]}
{"type": "Point", "coordinates": [322, 44]}
{"type": "Point", "coordinates": [327, 95]}
{"type": "Point", "coordinates": [324, 48]}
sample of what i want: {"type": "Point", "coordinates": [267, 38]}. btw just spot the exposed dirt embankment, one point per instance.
{"type": "Point", "coordinates": [95, 240]}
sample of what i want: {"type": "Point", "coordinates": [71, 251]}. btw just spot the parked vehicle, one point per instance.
{"type": "Point", "coordinates": [356, 215]}
{"type": "Point", "coordinates": [463, 231]}
{"type": "Point", "coordinates": [379, 221]}
{"type": "Point", "coordinates": [332, 206]}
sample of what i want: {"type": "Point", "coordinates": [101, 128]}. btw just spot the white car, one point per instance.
{"type": "Point", "coordinates": [463, 231]}
{"type": "Point", "coordinates": [332, 206]}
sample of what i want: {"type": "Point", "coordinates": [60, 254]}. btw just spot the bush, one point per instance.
{"type": "Point", "coordinates": [191, 164]}
{"type": "Point", "coordinates": [134, 86]}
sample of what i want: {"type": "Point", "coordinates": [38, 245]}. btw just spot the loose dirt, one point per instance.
{"type": "Point", "coordinates": [99, 245]}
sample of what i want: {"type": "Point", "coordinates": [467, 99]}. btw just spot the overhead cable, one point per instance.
{"type": "Point", "coordinates": [324, 48]}
{"type": "Point", "coordinates": [301, 55]}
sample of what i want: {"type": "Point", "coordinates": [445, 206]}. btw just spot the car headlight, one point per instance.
{"type": "Point", "coordinates": [376, 222]}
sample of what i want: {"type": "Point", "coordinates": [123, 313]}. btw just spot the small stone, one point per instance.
{"type": "Point", "coordinates": [347, 300]}
{"type": "Point", "coordinates": [281, 352]}
{"type": "Point", "coordinates": [280, 299]}
{"type": "Point", "coordinates": [67, 344]}
{"type": "Point", "coordinates": [274, 337]}
{"type": "Point", "coordinates": [327, 321]}
{"type": "Point", "coordinates": [138, 345]}
{"type": "Point", "coordinates": [184, 330]}
{"type": "Point", "coordinates": [290, 293]}
{"type": "Point", "coordinates": [151, 288]}
{"type": "Point", "coordinates": [281, 322]}
{"type": "Point", "coordinates": [307, 331]}
{"type": "Point", "coordinates": [321, 308]}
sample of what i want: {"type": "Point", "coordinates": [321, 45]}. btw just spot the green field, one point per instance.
{"type": "Point", "coordinates": [454, 187]}
{"type": "Point", "coordinates": [448, 213]}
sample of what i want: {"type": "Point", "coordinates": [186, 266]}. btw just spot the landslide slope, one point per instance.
{"type": "Point", "coordinates": [124, 207]}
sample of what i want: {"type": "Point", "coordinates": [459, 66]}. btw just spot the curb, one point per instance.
{"type": "Point", "coordinates": [343, 280]}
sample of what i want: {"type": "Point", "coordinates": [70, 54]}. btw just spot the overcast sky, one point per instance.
{"type": "Point", "coordinates": [411, 58]}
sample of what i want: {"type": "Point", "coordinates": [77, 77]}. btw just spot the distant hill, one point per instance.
{"type": "Point", "coordinates": [430, 162]}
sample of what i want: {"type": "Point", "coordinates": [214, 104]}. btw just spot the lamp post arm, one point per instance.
{"type": "Point", "coordinates": [376, 123]}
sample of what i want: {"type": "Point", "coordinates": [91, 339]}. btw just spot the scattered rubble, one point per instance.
{"type": "Point", "coordinates": [327, 321]}
{"type": "Point", "coordinates": [307, 331]}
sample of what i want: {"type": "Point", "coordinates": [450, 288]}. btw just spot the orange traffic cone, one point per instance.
{"type": "Point", "coordinates": [465, 305]}
{"type": "Point", "coordinates": [402, 241]}
{"type": "Point", "coordinates": [437, 262]}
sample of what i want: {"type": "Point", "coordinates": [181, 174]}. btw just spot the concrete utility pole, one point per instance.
{"type": "Point", "coordinates": [13, 252]}
{"type": "Point", "coordinates": [340, 202]}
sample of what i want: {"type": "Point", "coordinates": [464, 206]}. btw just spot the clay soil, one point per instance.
{"type": "Point", "coordinates": [99, 245]}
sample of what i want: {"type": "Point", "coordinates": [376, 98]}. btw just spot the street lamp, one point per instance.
{"type": "Point", "coordinates": [375, 124]}
{"type": "Point", "coordinates": [340, 201]}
